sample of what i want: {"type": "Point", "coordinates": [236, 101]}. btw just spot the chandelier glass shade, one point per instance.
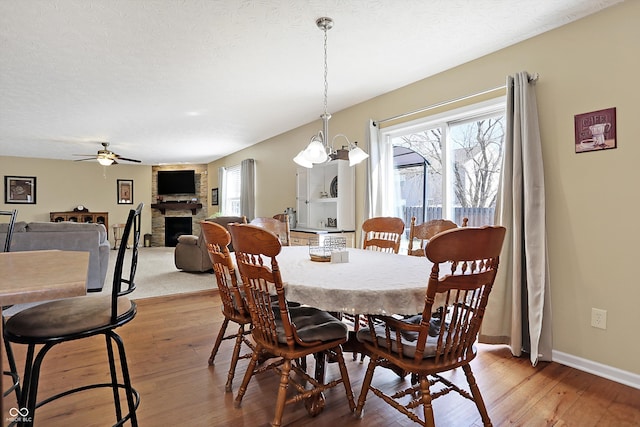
{"type": "Point", "coordinates": [357, 155]}
{"type": "Point", "coordinates": [319, 150]}
{"type": "Point", "coordinates": [316, 151]}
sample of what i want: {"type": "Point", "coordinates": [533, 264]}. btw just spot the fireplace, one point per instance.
{"type": "Point", "coordinates": [175, 227]}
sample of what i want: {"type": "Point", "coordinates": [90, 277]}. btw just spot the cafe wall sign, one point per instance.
{"type": "Point", "coordinates": [595, 130]}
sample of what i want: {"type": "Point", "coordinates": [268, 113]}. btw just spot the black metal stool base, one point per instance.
{"type": "Point", "coordinates": [127, 417]}
{"type": "Point", "coordinates": [28, 403]}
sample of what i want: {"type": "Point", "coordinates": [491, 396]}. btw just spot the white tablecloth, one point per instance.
{"type": "Point", "coordinates": [370, 283]}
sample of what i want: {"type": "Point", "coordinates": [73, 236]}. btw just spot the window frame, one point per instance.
{"type": "Point", "coordinates": [443, 120]}
{"type": "Point", "coordinates": [229, 202]}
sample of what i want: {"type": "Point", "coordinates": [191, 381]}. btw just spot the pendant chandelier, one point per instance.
{"type": "Point", "coordinates": [319, 150]}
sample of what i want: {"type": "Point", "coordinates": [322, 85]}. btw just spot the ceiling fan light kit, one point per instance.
{"type": "Point", "coordinates": [318, 150]}
{"type": "Point", "coordinates": [104, 161]}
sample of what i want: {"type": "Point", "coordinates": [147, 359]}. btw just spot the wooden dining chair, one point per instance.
{"type": "Point", "coordinates": [442, 338]}
{"type": "Point", "coordinates": [290, 333]}
{"type": "Point", "coordinates": [282, 217]}
{"type": "Point", "coordinates": [278, 226]}
{"type": "Point", "coordinates": [382, 234]}
{"type": "Point", "coordinates": [217, 240]}
{"type": "Point", "coordinates": [425, 231]}
{"type": "Point", "coordinates": [52, 323]}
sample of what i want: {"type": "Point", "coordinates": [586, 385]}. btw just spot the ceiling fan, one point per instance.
{"type": "Point", "coordinates": [105, 156]}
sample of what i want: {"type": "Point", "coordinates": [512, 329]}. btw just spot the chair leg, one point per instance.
{"type": "Point", "coordinates": [132, 396]}
{"type": "Point", "coordinates": [114, 377]}
{"type": "Point", "coordinates": [345, 379]}
{"type": "Point", "coordinates": [356, 327]}
{"type": "Point", "coordinates": [234, 359]}
{"type": "Point", "coordinates": [427, 407]}
{"type": "Point", "coordinates": [477, 397]}
{"type": "Point", "coordinates": [282, 393]}
{"type": "Point", "coordinates": [22, 401]}
{"type": "Point", "coordinates": [216, 346]}
{"type": "Point", "coordinates": [12, 372]}
{"type": "Point", "coordinates": [247, 375]}
{"type": "Point", "coordinates": [31, 380]}
{"type": "Point", "coordinates": [366, 383]}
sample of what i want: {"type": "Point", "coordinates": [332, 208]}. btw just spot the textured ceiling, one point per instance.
{"type": "Point", "coordinates": [191, 81]}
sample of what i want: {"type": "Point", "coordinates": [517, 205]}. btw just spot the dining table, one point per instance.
{"type": "Point", "coordinates": [369, 282]}
{"type": "Point", "coordinates": [35, 276]}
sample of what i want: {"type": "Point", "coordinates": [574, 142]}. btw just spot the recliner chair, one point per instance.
{"type": "Point", "coordinates": [191, 251]}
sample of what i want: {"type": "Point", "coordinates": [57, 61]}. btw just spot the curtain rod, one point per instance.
{"type": "Point", "coordinates": [532, 78]}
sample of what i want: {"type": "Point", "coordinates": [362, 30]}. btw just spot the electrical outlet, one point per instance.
{"type": "Point", "coordinates": [599, 318]}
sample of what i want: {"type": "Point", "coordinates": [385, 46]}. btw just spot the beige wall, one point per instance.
{"type": "Point", "coordinates": [62, 185]}
{"type": "Point", "coordinates": [592, 198]}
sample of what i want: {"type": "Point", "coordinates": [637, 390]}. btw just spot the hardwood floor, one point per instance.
{"type": "Point", "coordinates": [170, 340]}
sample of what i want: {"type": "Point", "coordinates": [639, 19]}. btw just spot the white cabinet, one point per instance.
{"type": "Point", "coordinates": [325, 197]}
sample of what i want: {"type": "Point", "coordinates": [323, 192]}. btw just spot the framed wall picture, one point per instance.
{"type": "Point", "coordinates": [214, 197]}
{"type": "Point", "coordinates": [125, 191]}
{"type": "Point", "coordinates": [20, 189]}
{"type": "Point", "coordinates": [595, 130]}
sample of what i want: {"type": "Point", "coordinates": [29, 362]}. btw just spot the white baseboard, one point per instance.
{"type": "Point", "coordinates": [595, 368]}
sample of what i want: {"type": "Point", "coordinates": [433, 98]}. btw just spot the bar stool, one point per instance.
{"type": "Point", "coordinates": [13, 369]}
{"type": "Point", "coordinates": [56, 322]}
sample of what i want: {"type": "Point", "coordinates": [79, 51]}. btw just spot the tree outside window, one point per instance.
{"type": "Point", "coordinates": [460, 171]}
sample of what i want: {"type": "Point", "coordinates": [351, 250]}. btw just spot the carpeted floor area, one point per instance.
{"type": "Point", "coordinates": [157, 275]}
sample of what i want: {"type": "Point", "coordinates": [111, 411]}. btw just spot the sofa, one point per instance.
{"type": "Point", "coordinates": [68, 236]}
{"type": "Point", "coordinates": [191, 251]}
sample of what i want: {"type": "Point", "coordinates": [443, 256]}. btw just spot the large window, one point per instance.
{"type": "Point", "coordinates": [448, 166]}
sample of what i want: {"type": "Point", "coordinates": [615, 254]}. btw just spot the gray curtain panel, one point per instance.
{"type": "Point", "coordinates": [519, 309]}
{"type": "Point", "coordinates": [248, 188]}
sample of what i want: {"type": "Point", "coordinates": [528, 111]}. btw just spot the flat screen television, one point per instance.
{"type": "Point", "coordinates": [176, 182]}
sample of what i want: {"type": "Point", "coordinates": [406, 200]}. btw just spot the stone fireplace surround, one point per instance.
{"type": "Point", "coordinates": [158, 217]}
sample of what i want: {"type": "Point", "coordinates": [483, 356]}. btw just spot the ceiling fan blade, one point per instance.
{"type": "Point", "coordinates": [106, 154]}
{"type": "Point", "coordinates": [129, 160]}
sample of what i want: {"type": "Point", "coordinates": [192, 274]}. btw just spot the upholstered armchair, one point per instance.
{"type": "Point", "coordinates": [191, 251]}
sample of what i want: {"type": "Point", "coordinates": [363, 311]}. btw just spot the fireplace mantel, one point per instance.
{"type": "Point", "coordinates": [162, 207]}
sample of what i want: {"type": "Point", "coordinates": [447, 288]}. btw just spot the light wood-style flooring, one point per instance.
{"type": "Point", "coordinates": [170, 340]}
